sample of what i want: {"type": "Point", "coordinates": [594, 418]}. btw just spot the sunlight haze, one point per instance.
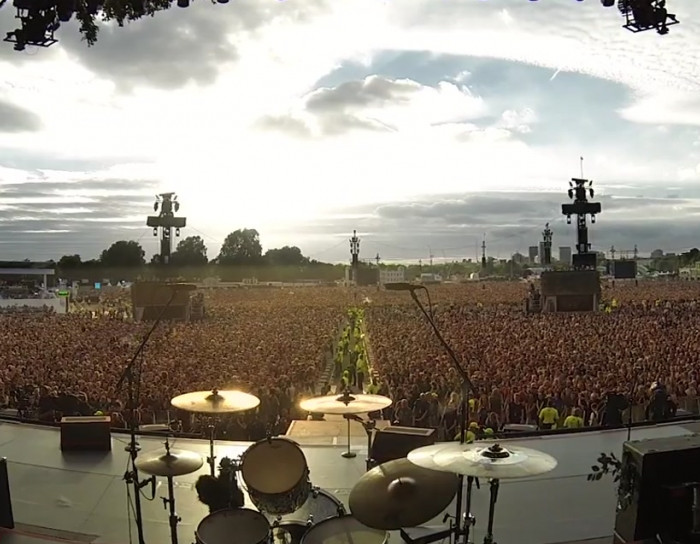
{"type": "Point", "coordinates": [420, 123]}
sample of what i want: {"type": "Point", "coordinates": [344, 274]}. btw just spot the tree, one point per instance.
{"type": "Point", "coordinates": [70, 262]}
{"type": "Point", "coordinates": [286, 256]}
{"type": "Point", "coordinates": [123, 254]}
{"type": "Point", "coordinates": [190, 251]}
{"type": "Point", "coordinates": [242, 246]}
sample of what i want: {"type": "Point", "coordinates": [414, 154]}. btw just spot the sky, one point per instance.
{"type": "Point", "coordinates": [426, 125]}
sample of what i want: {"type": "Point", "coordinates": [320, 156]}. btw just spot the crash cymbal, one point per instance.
{"type": "Point", "coordinates": [345, 404]}
{"type": "Point", "coordinates": [169, 463]}
{"type": "Point", "coordinates": [483, 460]}
{"type": "Point", "coordinates": [216, 402]}
{"type": "Point", "coordinates": [401, 494]}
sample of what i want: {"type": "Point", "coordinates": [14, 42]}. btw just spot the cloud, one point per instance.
{"type": "Point", "coordinates": [510, 221]}
{"type": "Point", "coordinates": [45, 216]}
{"type": "Point", "coordinates": [16, 119]}
{"type": "Point", "coordinates": [178, 46]}
{"type": "Point", "coordinates": [377, 103]}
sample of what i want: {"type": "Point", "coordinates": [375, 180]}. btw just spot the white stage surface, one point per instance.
{"type": "Point", "coordinates": [81, 497]}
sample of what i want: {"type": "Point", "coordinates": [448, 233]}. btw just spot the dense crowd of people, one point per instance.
{"type": "Point", "coordinates": [545, 370]}
{"type": "Point", "coordinates": [271, 343]}
{"type": "Point", "coordinates": [586, 367]}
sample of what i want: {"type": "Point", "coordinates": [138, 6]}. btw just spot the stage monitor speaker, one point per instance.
{"type": "Point", "coordinates": [86, 433]}
{"type": "Point", "coordinates": [656, 488]}
{"type": "Point", "coordinates": [7, 520]}
{"type": "Point", "coordinates": [393, 443]}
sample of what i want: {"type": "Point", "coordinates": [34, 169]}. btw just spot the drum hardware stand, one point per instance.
{"type": "Point", "coordinates": [369, 426]}
{"type": "Point", "coordinates": [346, 398]}
{"type": "Point", "coordinates": [133, 386]}
{"type": "Point", "coordinates": [467, 389]}
{"type": "Point", "coordinates": [488, 539]}
{"type": "Point", "coordinates": [211, 460]}
{"type": "Point", "coordinates": [170, 501]}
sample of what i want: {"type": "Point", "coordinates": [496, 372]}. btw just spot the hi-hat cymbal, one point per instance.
{"type": "Point", "coordinates": [216, 402]}
{"type": "Point", "coordinates": [169, 463]}
{"type": "Point", "coordinates": [401, 494]}
{"type": "Point", "coordinates": [345, 404]}
{"type": "Point", "coordinates": [483, 460]}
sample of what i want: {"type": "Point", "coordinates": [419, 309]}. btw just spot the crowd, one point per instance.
{"type": "Point", "coordinates": [525, 365]}
{"type": "Point", "coordinates": [543, 370]}
{"type": "Point", "coordinates": [271, 343]}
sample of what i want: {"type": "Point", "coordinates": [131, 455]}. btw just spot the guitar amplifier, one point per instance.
{"type": "Point", "coordinates": [656, 488]}
{"type": "Point", "coordinates": [86, 433]}
{"type": "Point", "coordinates": [396, 442]}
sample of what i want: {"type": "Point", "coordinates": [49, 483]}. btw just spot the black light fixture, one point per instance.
{"type": "Point", "coordinates": [183, 3]}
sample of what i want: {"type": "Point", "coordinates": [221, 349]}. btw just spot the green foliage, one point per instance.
{"type": "Point", "coordinates": [123, 254]}
{"type": "Point", "coordinates": [242, 246]}
{"type": "Point", "coordinates": [623, 474]}
{"type": "Point", "coordinates": [90, 12]}
{"type": "Point", "coordinates": [607, 464]}
{"type": "Point", "coordinates": [191, 251]}
{"type": "Point", "coordinates": [285, 256]}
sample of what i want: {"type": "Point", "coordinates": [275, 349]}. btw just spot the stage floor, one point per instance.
{"type": "Point", "coordinates": [82, 497]}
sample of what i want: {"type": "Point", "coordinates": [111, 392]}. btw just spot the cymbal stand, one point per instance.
{"type": "Point", "coordinates": [467, 388]}
{"type": "Point", "coordinates": [170, 501]}
{"type": "Point", "coordinates": [211, 460]}
{"type": "Point", "coordinates": [488, 539]}
{"type": "Point", "coordinates": [369, 427]}
{"type": "Point", "coordinates": [349, 454]}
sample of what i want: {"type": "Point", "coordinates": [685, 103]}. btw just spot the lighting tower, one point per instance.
{"type": "Point", "coordinates": [547, 239]}
{"type": "Point", "coordinates": [579, 191]}
{"type": "Point", "coordinates": [483, 254]}
{"type": "Point", "coordinates": [166, 222]}
{"type": "Point", "coordinates": [355, 253]}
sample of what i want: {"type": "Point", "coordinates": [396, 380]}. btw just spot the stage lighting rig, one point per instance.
{"type": "Point", "coordinates": [643, 15]}
{"type": "Point", "coordinates": [39, 19]}
{"type": "Point", "coordinates": [166, 222]}
{"type": "Point", "coordinates": [579, 191]}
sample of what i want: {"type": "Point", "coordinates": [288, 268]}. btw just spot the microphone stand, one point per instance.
{"type": "Point", "coordinates": [132, 476]}
{"type": "Point", "coordinates": [467, 387]}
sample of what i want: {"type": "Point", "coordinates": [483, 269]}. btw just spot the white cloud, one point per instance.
{"type": "Point", "coordinates": [208, 135]}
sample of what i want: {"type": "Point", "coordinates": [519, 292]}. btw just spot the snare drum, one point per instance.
{"type": "Point", "coordinates": [242, 525]}
{"type": "Point", "coordinates": [320, 506]}
{"type": "Point", "coordinates": [276, 475]}
{"type": "Point", "coordinates": [344, 530]}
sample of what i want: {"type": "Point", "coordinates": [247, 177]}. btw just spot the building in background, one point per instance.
{"type": "Point", "coordinates": [565, 255]}
{"type": "Point", "coordinates": [540, 253]}
{"type": "Point", "coordinates": [395, 275]}
{"type": "Point", "coordinates": [532, 254]}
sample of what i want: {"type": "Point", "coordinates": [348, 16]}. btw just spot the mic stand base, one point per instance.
{"type": "Point", "coordinates": [428, 537]}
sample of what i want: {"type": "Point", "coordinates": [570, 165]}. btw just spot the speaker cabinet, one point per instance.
{"type": "Point", "coordinates": [7, 520]}
{"type": "Point", "coordinates": [393, 443]}
{"type": "Point", "coordinates": [654, 495]}
{"type": "Point", "coordinates": [87, 433]}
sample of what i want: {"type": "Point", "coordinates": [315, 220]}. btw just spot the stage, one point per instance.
{"type": "Point", "coordinates": [81, 497]}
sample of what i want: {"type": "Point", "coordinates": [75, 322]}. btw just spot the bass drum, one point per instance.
{"type": "Point", "coordinates": [344, 530]}
{"type": "Point", "coordinates": [248, 526]}
{"type": "Point", "coordinates": [320, 506]}
{"type": "Point", "coordinates": [276, 475]}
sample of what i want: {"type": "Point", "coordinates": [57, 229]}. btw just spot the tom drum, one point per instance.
{"type": "Point", "coordinates": [276, 475]}
{"type": "Point", "coordinates": [248, 526]}
{"type": "Point", "coordinates": [344, 530]}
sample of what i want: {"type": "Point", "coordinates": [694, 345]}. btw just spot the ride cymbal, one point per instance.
{"type": "Point", "coordinates": [483, 460]}
{"type": "Point", "coordinates": [216, 402]}
{"type": "Point", "coordinates": [169, 463]}
{"type": "Point", "coordinates": [345, 404]}
{"type": "Point", "coordinates": [401, 494]}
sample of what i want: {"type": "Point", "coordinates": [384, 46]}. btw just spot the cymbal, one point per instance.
{"type": "Point", "coordinates": [216, 402]}
{"type": "Point", "coordinates": [401, 494]}
{"type": "Point", "coordinates": [345, 404]}
{"type": "Point", "coordinates": [169, 463]}
{"type": "Point", "coordinates": [483, 460]}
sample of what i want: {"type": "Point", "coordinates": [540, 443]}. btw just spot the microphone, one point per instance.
{"type": "Point", "coordinates": [402, 286]}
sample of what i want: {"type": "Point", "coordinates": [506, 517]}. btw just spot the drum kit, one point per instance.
{"type": "Point", "coordinates": [395, 496]}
